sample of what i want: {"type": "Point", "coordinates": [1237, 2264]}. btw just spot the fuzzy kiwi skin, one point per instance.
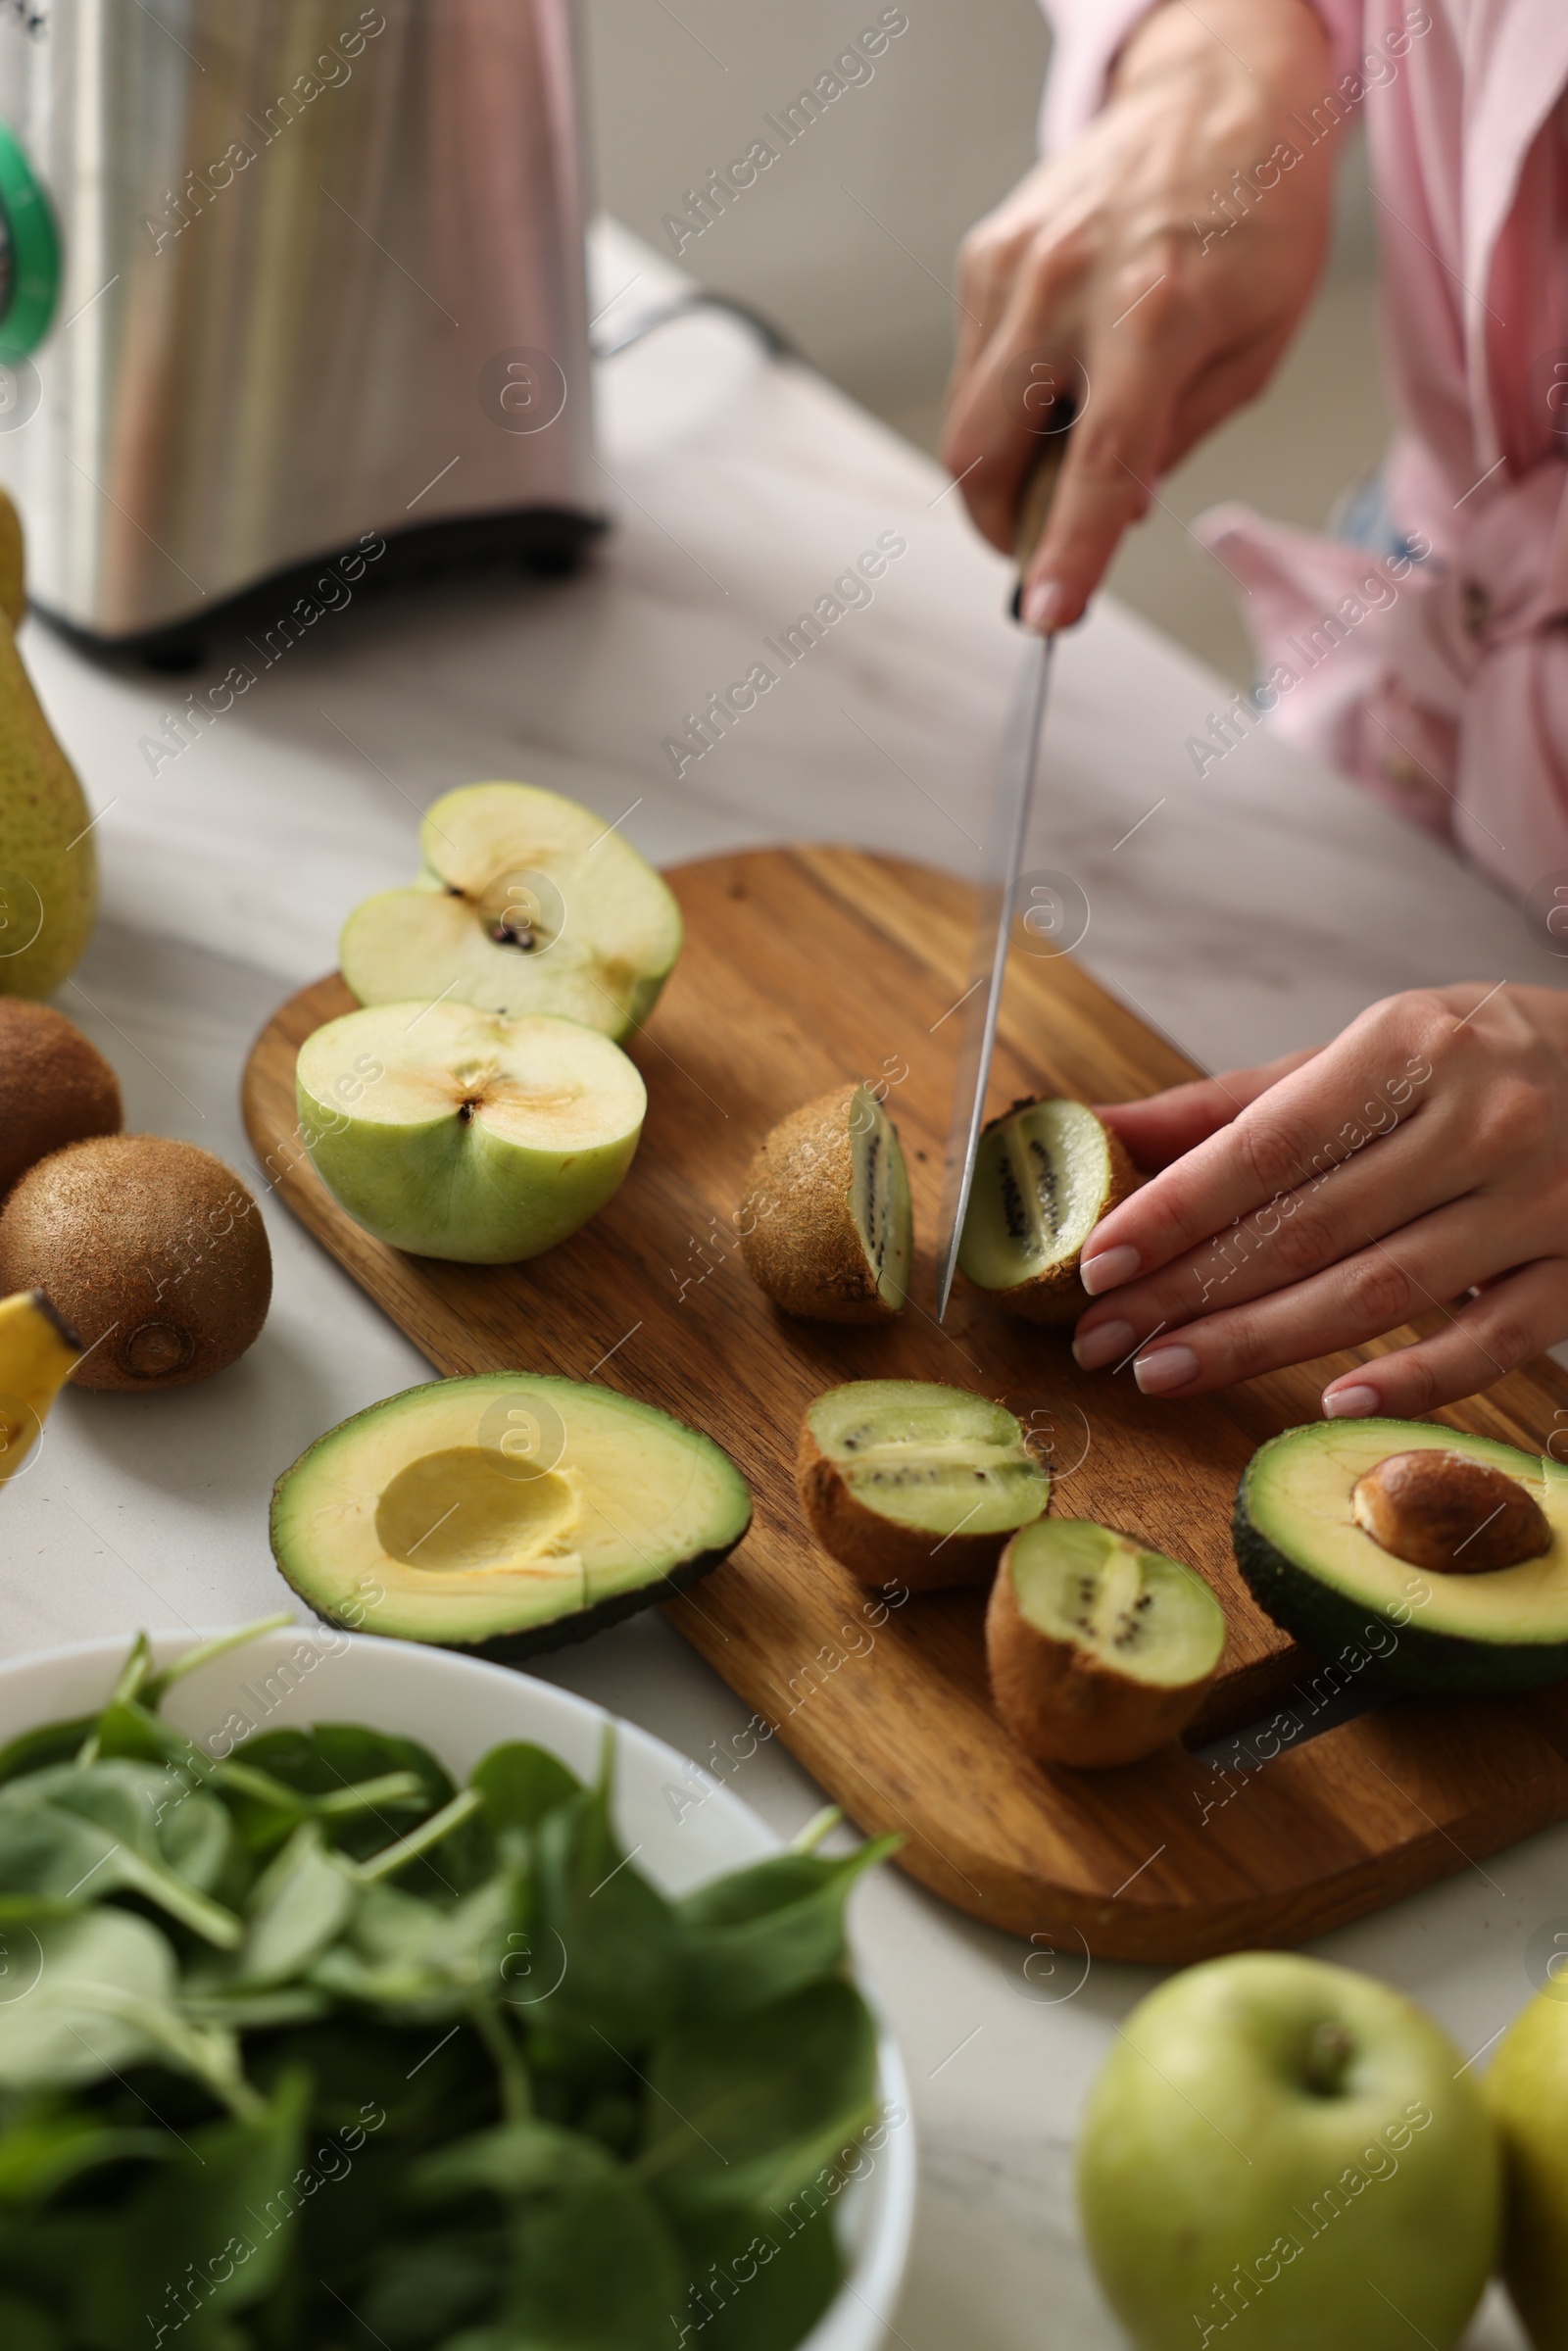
{"type": "Point", "coordinates": [797, 1231]}
{"type": "Point", "coordinates": [1064, 1705]}
{"type": "Point", "coordinates": [877, 1550]}
{"type": "Point", "coordinates": [55, 1087]}
{"type": "Point", "coordinates": [1056, 1295]}
{"type": "Point", "coordinates": [153, 1250]}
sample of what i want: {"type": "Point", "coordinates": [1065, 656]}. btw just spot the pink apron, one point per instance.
{"type": "Point", "coordinates": [1442, 686]}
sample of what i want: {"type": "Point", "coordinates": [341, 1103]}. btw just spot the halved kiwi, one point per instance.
{"type": "Point", "coordinates": [1046, 1173]}
{"type": "Point", "coordinates": [1099, 1649]}
{"type": "Point", "coordinates": [825, 1222]}
{"type": "Point", "coordinates": [908, 1482]}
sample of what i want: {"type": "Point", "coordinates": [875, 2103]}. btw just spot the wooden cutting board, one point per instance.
{"type": "Point", "coordinates": [803, 970]}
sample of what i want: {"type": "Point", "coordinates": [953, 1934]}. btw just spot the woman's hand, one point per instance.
{"type": "Point", "coordinates": [1328, 1198]}
{"type": "Point", "coordinates": [1115, 258]}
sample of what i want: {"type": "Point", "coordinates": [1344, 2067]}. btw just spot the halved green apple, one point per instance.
{"type": "Point", "coordinates": [527, 903]}
{"type": "Point", "coordinates": [455, 1133]}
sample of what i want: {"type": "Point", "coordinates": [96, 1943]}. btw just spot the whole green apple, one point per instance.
{"type": "Point", "coordinates": [1527, 2091]}
{"type": "Point", "coordinates": [460, 1134]}
{"type": "Point", "coordinates": [1280, 2155]}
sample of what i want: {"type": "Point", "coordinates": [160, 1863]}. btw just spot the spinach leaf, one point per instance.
{"type": "Point", "coordinates": [196, 1838]}
{"type": "Point", "coordinates": [72, 1826]}
{"type": "Point", "coordinates": [419, 2293]}
{"type": "Point", "coordinates": [238, 2008]}
{"type": "Point", "coordinates": [520, 1783]}
{"type": "Point", "coordinates": [418, 1961]}
{"type": "Point", "coordinates": [520, 2159]}
{"type": "Point", "coordinates": [133, 1732]}
{"type": "Point", "coordinates": [208, 2234]}
{"type": "Point", "coordinates": [378, 2085]}
{"type": "Point", "coordinates": [55, 2032]}
{"type": "Point", "coordinates": [51, 1743]}
{"type": "Point", "coordinates": [620, 1940]}
{"type": "Point", "coordinates": [747, 2110]}
{"type": "Point", "coordinates": [102, 1998]}
{"type": "Point", "coordinates": [46, 2142]}
{"type": "Point", "coordinates": [595, 2266]}
{"type": "Point", "coordinates": [299, 1905]}
{"type": "Point", "coordinates": [331, 1756]}
{"type": "Point", "coordinates": [24, 2326]}
{"type": "Point", "coordinates": [333, 1759]}
{"type": "Point", "coordinates": [757, 2282]}
{"type": "Point", "coordinates": [763, 1932]}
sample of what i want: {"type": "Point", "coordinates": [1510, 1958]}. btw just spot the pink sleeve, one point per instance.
{"type": "Point", "coordinates": [1090, 32]}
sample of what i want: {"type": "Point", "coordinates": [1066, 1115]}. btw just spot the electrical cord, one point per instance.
{"type": "Point", "coordinates": [773, 340]}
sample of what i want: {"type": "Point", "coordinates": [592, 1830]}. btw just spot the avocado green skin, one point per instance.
{"type": "Point", "coordinates": [1424, 1664]}
{"type": "Point", "coordinates": [563, 1632]}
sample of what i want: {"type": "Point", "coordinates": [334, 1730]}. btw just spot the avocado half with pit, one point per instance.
{"type": "Point", "coordinates": [1045, 1174]}
{"type": "Point", "coordinates": [506, 1514]}
{"type": "Point", "coordinates": [1436, 1560]}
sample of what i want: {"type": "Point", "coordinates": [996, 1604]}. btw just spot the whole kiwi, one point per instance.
{"type": "Point", "coordinates": [55, 1088]}
{"type": "Point", "coordinates": [152, 1248]}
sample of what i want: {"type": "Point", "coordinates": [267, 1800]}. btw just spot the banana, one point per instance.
{"type": "Point", "coordinates": [38, 1351]}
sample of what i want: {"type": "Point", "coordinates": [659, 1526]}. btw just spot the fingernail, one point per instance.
{"type": "Point", "coordinates": [1348, 1403]}
{"type": "Point", "coordinates": [1165, 1370]}
{"type": "Point", "coordinates": [1109, 1270]}
{"type": "Point", "coordinates": [1107, 1342]}
{"type": "Point", "coordinates": [1043, 605]}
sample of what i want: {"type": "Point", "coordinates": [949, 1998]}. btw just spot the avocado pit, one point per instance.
{"type": "Point", "coordinates": [1452, 1516]}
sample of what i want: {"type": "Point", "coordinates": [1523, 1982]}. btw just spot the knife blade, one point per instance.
{"type": "Point", "coordinates": [1001, 866]}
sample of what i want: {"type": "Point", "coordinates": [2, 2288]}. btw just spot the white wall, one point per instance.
{"type": "Point", "coordinates": [677, 88]}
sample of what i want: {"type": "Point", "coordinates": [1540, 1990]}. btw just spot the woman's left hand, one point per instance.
{"type": "Point", "coordinates": [1330, 1196]}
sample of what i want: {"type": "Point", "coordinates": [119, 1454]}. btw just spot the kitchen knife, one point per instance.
{"type": "Point", "coordinates": [1003, 861]}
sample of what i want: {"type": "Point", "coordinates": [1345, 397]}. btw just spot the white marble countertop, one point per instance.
{"type": "Point", "coordinates": [1251, 911]}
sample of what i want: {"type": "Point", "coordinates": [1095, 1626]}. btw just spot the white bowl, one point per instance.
{"type": "Point", "coordinates": [683, 1825]}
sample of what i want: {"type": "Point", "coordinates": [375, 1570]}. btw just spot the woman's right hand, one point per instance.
{"type": "Point", "coordinates": [1114, 259]}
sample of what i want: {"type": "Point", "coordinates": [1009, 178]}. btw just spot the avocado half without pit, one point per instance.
{"type": "Point", "coordinates": [1045, 1175]}
{"type": "Point", "coordinates": [906, 1481]}
{"type": "Point", "coordinates": [1099, 1649]}
{"type": "Point", "coordinates": [504, 1515]}
{"type": "Point", "coordinates": [1433, 1559]}
{"type": "Point", "coordinates": [526, 903]}
{"type": "Point", "coordinates": [825, 1221]}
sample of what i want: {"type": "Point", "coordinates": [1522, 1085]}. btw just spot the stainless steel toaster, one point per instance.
{"type": "Point", "coordinates": [320, 287]}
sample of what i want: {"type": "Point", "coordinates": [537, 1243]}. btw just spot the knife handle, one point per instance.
{"type": "Point", "coordinates": [1034, 507]}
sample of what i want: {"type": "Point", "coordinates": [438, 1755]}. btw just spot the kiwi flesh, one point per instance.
{"type": "Point", "coordinates": [825, 1222]}
{"type": "Point", "coordinates": [904, 1480]}
{"type": "Point", "coordinates": [152, 1249]}
{"type": "Point", "coordinates": [1046, 1172]}
{"type": "Point", "coordinates": [1099, 1649]}
{"type": "Point", "coordinates": [55, 1087]}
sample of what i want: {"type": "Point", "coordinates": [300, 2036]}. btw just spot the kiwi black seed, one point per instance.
{"type": "Point", "coordinates": [55, 1087]}
{"type": "Point", "coordinates": [153, 1250]}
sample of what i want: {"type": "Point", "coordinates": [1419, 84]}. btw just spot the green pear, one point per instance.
{"type": "Point", "coordinates": [48, 867]}
{"type": "Point", "coordinates": [1527, 2090]}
